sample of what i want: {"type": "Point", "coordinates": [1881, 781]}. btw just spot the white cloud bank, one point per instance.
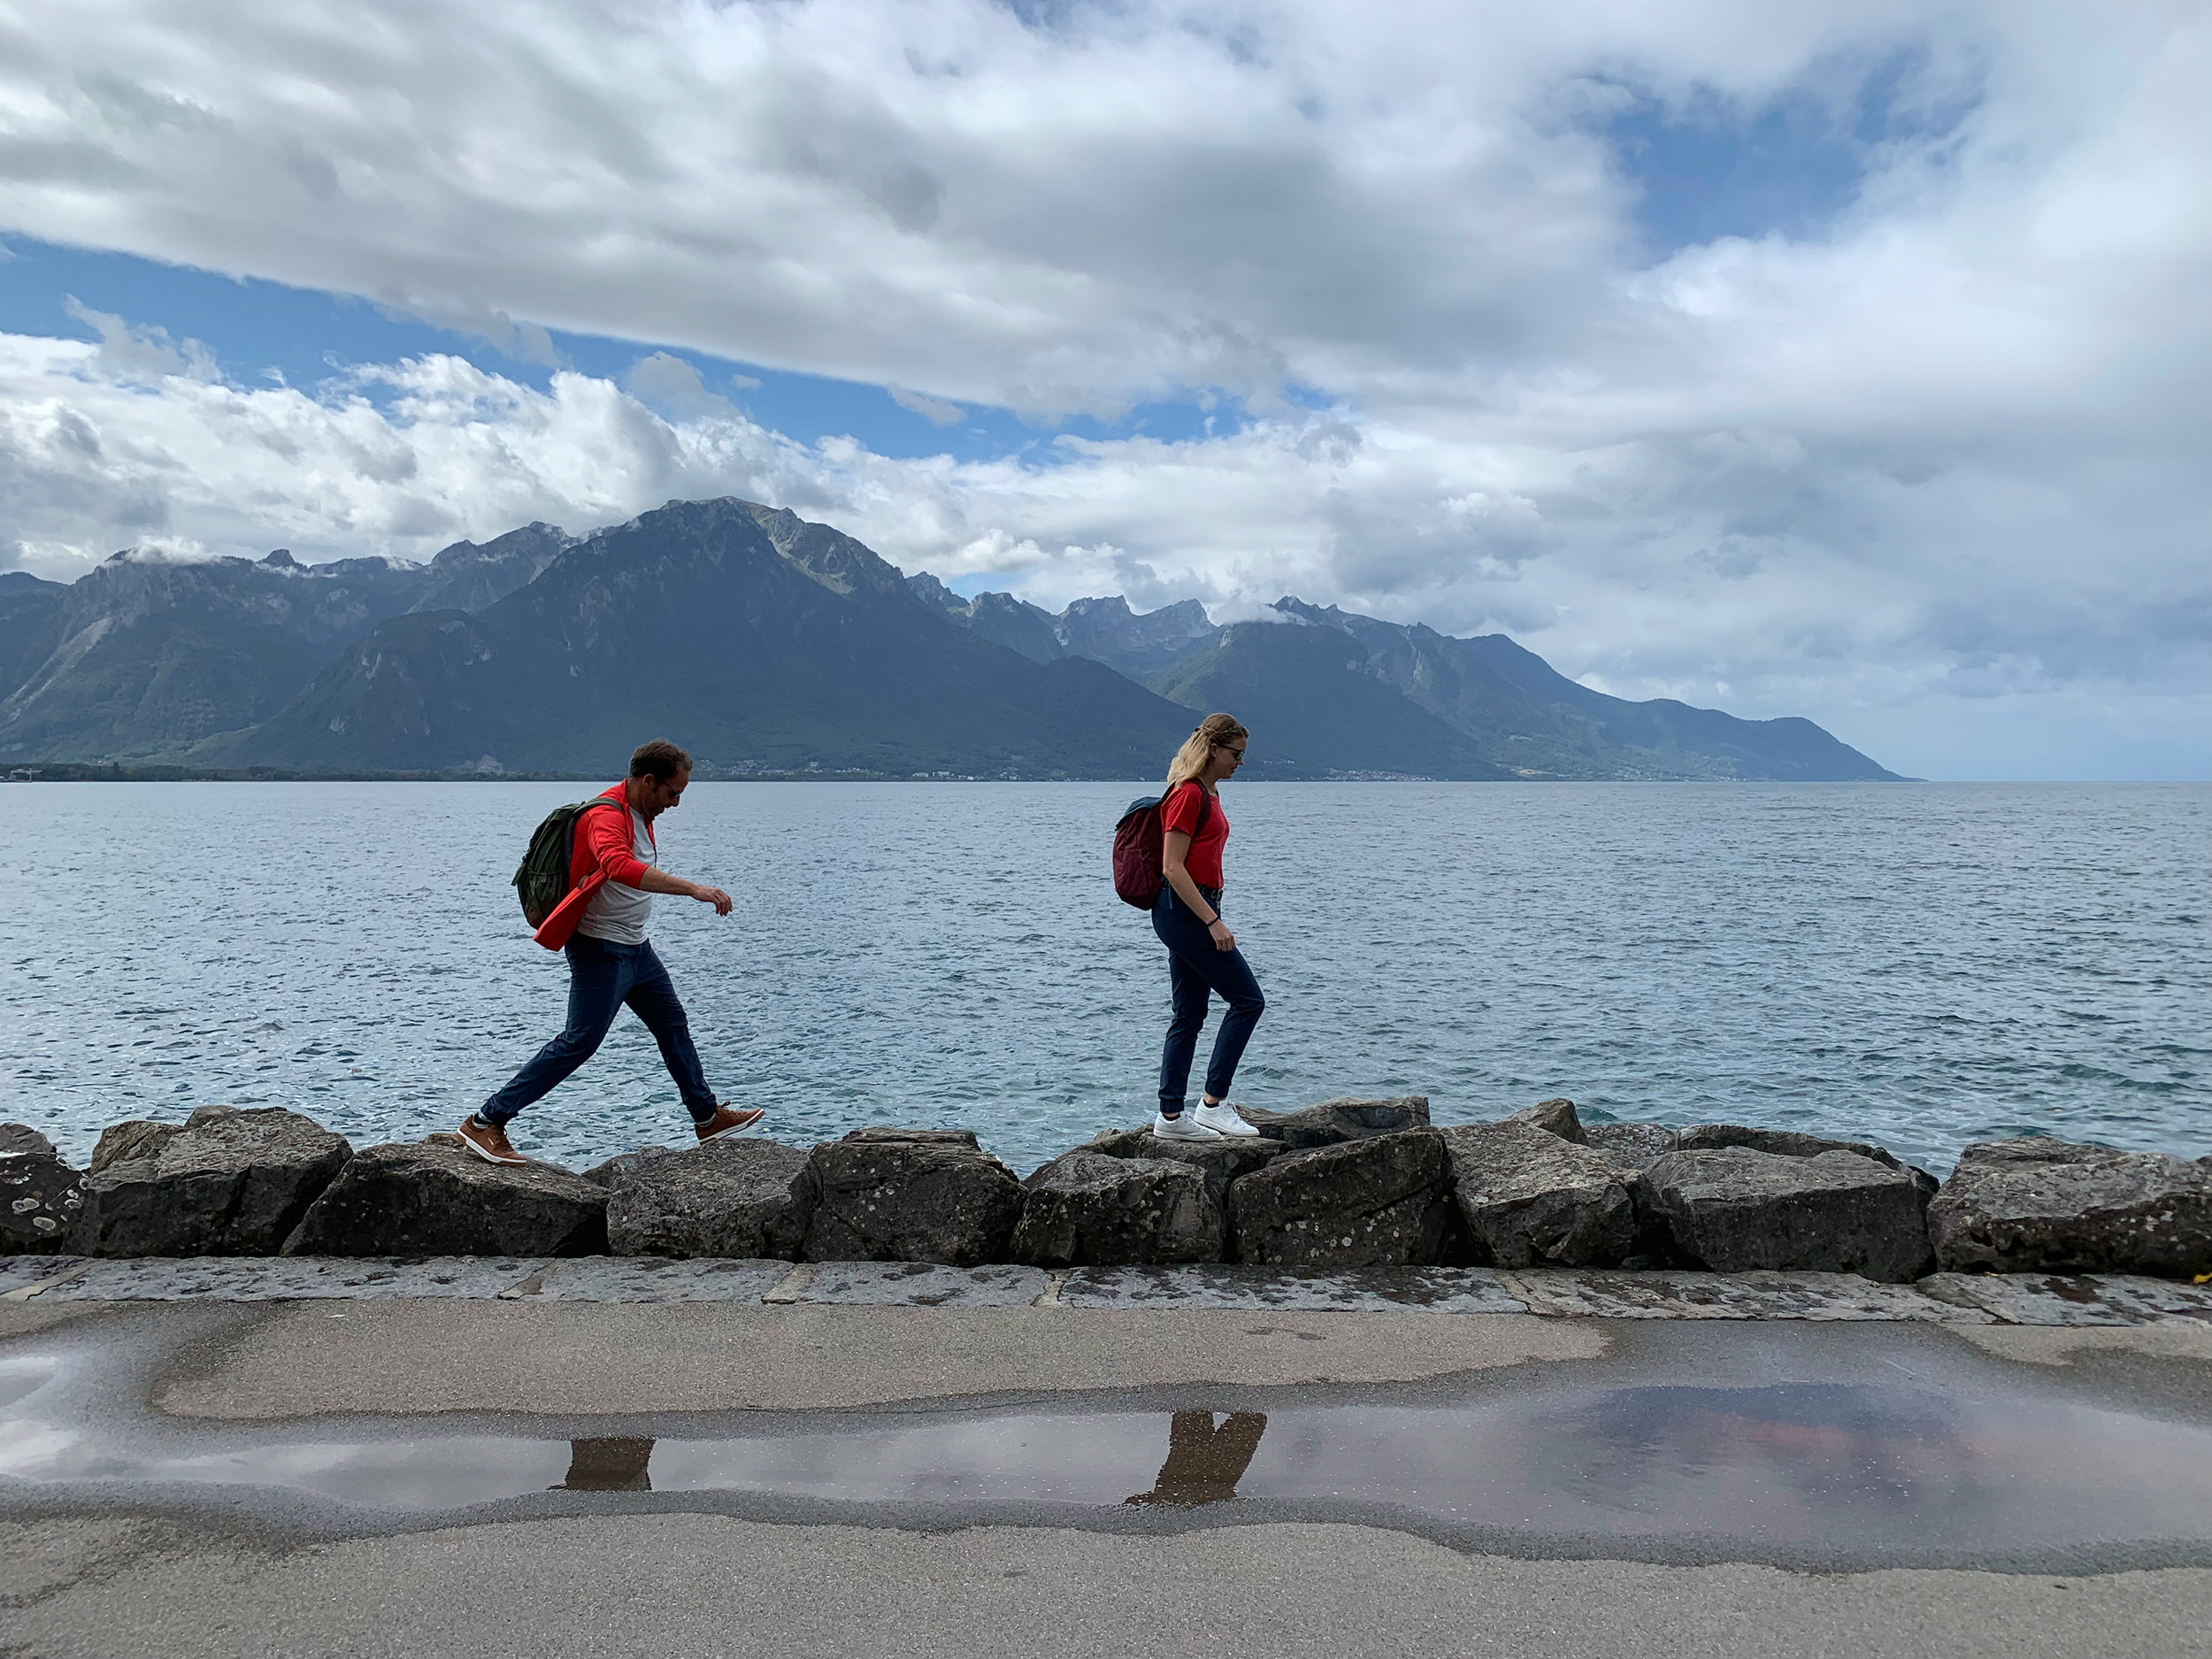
{"type": "Point", "coordinates": [1931, 473]}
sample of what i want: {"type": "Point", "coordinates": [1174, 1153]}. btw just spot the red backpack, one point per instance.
{"type": "Point", "coordinates": [1139, 843]}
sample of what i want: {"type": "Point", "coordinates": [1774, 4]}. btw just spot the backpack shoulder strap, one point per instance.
{"type": "Point", "coordinates": [1205, 805]}
{"type": "Point", "coordinates": [576, 817]}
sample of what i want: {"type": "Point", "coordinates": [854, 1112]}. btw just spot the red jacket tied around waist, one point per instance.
{"type": "Point", "coordinates": [601, 851]}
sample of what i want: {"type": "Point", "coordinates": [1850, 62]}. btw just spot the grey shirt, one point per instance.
{"type": "Point", "coordinates": [616, 913]}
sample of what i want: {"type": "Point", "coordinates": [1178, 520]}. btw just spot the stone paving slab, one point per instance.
{"type": "Point", "coordinates": [1755, 1295]}
{"type": "Point", "coordinates": [651, 1279]}
{"type": "Point", "coordinates": [19, 1272]}
{"type": "Point", "coordinates": [2019, 1299]}
{"type": "Point", "coordinates": [2079, 1299]}
{"type": "Point", "coordinates": [291, 1278]}
{"type": "Point", "coordinates": [1222, 1285]}
{"type": "Point", "coordinates": [919, 1285]}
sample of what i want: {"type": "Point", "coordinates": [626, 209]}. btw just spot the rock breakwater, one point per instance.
{"type": "Point", "coordinates": [1342, 1184]}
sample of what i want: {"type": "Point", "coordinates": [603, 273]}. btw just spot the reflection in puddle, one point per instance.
{"type": "Point", "coordinates": [20, 1378]}
{"type": "Point", "coordinates": [1204, 1462]}
{"type": "Point", "coordinates": [616, 1464]}
{"type": "Point", "coordinates": [1650, 1450]}
{"type": "Point", "coordinates": [1841, 1465]}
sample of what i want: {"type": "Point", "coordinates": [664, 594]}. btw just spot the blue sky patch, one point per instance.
{"type": "Point", "coordinates": [262, 331]}
{"type": "Point", "coordinates": [1711, 166]}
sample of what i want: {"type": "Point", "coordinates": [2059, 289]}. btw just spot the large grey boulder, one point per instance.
{"type": "Point", "coordinates": [140, 1137]}
{"type": "Point", "coordinates": [1532, 1198]}
{"type": "Point", "coordinates": [1553, 1117]}
{"type": "Point", "coordinates": [1632, 1145]}
{"type": "Point", "coordinates": [2035, 1205]}
{"type": "Point", "coordinates": [883, 1136]}
{"type": "Point", "coordinates": [1089, 1209]}
{"type": "Point", "coordinates": [732, 1197]}
{"type": "Point", "coordinates": [227, 1182]}
{"type": "Point", "coordinates": [1334, 1122]}
{"type": "Point", "coordinates": [1733, 1208]}
{"type": "Point", "coordinates": [16, 1138]}
{"type": "Point", "coordinates": [910, 1195]}
{"type": "Point", "coordinates": [1224, 1159]}
{"type": "Point", "coordinates": [435, 1197]}
{"type": "Point", "coordinates": [606, 1173]}
{"type": "Point", "coordinates": [41, 1196]}
{"type": "Point", "coordinates": [1791, 1143]}
{"type": "Point", "coordinates": [1379, 1202]}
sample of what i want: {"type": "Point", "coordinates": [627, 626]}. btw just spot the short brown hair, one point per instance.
{"type": "Point", "coordinates": [659, 760]}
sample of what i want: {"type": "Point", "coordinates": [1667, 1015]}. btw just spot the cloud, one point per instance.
{"type": "Point", "coordinates": [935, 194]}
{"type": "Point", "coordinates": [144, 351]}
{"type": "Point", "coordinates": [934, 409]}
{"type": "Point", "coordinates": [523, 342]}
{"type": "Point", "coordinates": [1914, 421]}
{"type": "Point", "coordinates": [672, 386]}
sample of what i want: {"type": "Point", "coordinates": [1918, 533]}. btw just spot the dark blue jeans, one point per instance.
{"type": "Point", "coordinates": [601, 977]}
{"type": "Point", "coordinates": [1195, 969]}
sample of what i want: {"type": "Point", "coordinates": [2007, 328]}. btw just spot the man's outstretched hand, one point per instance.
{"type": "Point", "coordinates": [661, 881]}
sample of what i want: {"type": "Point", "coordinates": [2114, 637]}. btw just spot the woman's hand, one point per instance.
{"type": "Point", "coordinates": [1224, 939]}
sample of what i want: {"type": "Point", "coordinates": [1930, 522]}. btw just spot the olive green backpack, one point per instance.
{"type": "Point", "coordinates": [541, 879]}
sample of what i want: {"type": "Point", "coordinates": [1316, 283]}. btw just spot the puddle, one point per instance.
{"type": "Point", "coordinates": [20, 1378]}
{"type": "Point", "coordinates": [1841, 1466]}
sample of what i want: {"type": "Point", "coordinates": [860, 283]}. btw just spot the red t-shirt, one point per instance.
{"type": "Point", "coordinates": [1179, 811]}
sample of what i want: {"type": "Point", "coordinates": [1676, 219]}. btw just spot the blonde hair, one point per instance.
{"type": "Point", "coordinates": [1198, 747]}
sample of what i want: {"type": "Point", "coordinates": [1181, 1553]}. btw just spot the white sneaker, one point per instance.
{"type": "Point", "coordinates": [1223, 1119]}
{"type": "Point", "coordinates": [1182, 1128]}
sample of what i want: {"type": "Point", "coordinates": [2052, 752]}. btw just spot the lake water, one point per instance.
{"type": "Point", "coordinates": [1923, 965]}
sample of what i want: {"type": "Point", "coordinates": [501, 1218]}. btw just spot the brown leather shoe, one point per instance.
{"type": "Point", "coordinates": [728, 1120]}
{"type": "Point", "coordinates": [489, 1142]}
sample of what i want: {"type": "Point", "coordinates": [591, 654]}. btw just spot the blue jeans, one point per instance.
{"type": "Point", "coordinates": [1195, 969]}
{"type": "Point", "coordinates": [601, 977]}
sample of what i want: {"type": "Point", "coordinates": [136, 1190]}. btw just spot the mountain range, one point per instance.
{"type": "Point", "coordinates": [770, 645]}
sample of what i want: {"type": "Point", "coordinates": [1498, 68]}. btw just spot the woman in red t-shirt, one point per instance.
{"type": "Point", "coordinates": [1203, 956]}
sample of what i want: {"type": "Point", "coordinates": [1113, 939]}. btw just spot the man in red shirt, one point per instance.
{"type": "Point", "coordinates": [600, 926]}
